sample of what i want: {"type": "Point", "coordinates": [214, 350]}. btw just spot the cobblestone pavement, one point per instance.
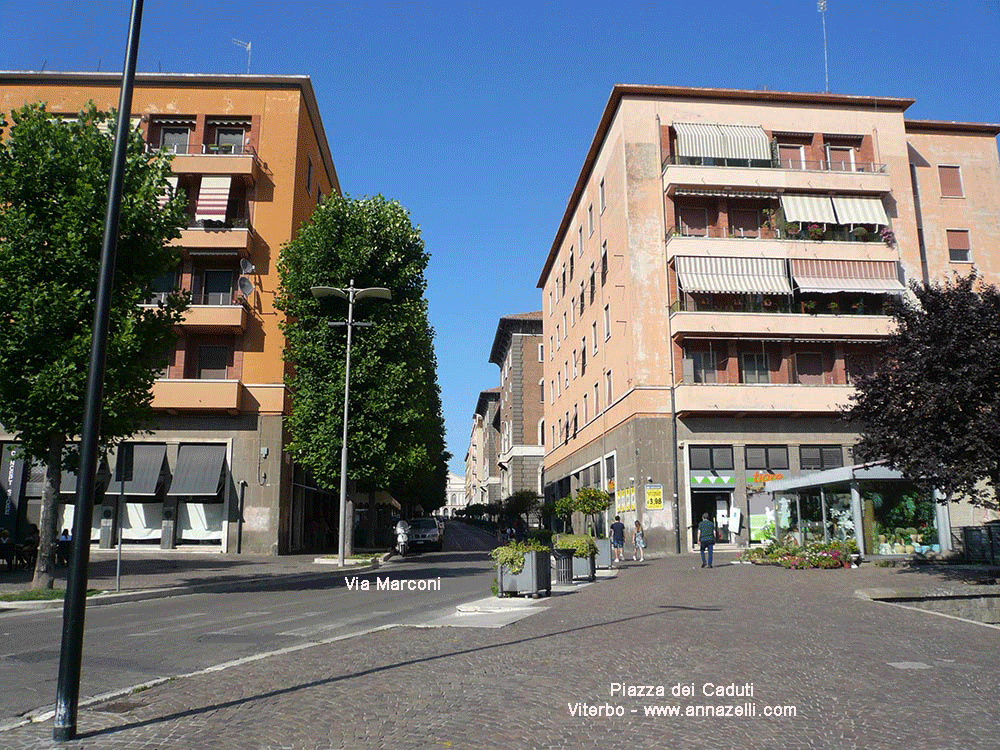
{"type": "Point", "coordinates": [851, 674]}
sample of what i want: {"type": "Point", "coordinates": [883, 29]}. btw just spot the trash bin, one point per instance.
{"type": "Point", "coordinates": [564, 565]}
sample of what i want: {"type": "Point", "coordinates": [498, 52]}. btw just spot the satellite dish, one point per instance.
{"type": "Point", "coordinates": [246, 266]}
{"type": "Point", "coordinates": [246, 287]}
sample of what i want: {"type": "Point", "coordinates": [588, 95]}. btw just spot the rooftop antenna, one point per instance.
{"type": "Point", "coordinates": [821, 7]}
{"type": "Point", "coordinates": [246, 46]}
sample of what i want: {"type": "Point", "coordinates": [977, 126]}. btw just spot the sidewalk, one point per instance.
{"type": "Point", "coordinates": [846, 672]}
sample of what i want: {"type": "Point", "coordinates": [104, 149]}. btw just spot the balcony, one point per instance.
{"type": "Point", "coordinates": [800, 176]}
{"type": "Point", "coordinates": [725, 244]}
{"type": "Point", "coordinates": [176, 396]}
{"type": "Point", "coordinates": [779, 325]}
{"type": "Point", "coordinates": [215, 318]}
{"type": "Point", "coordinates": [216, 238]}
{"type": "Point", "coordinates": [229, 159]}
{"type": "Point", "coordinates": [705, 398]}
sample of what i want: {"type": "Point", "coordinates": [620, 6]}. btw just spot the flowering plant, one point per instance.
{"type": "Point", "coordinates": [888, 237]}
{"type": "Point", "coordinates": [816, 231]}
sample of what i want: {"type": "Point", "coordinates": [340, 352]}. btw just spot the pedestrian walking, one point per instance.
{"type": "Point", "coordinates": [617, 540]}
{"type": "Point", "coordinates": [706, 538]}
{"type": "Point", "coordinates": [638, 541]}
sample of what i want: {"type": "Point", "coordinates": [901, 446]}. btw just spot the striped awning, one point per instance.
{"type": "Point", "coordinates": [700, 140]}
{"type": "Point", "coordinates": [815, 208]}
{"type": "Point", "coordinates": [212, 198]}
{"type": "Point", "coordinates": [732, 275]}
{"type": "Point", "coordinates": [860, 209]}
{"type": "Point", "coordinates": [199, 470]}
{"type": "Point", "coordinates": [170, 191]}
{"type": "Point", "coordinates": [720, 193]}
{"type": "Point", "coordinates": [746, 142]}
{"type": "Point", "coordinates": [877, 276]}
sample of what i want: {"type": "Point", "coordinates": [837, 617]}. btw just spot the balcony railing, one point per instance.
{"type": "Point", "coordinates": [210, 149]}
{"type": "Point", "coordinates": [793, 164]}
{"type": "Point", "coordinates": [812, 233]}
{"type": "Point", "coordinates": [802, 304]}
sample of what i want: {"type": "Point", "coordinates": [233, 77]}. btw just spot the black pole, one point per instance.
{"type": "Point", "coordinates": [74, 607]}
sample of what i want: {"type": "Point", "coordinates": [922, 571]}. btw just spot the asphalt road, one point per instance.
{"type": "Point", "coordinates": [131, 643]}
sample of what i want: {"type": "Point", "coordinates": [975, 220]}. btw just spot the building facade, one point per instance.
{"type": "Point", "coordinates": [718, 282]}
{"type": "Point", "coordinates": [251, 155]}
{"type": "Point", "coordinates": [518, 350]}
{"type": "Point", "coordinates": [482, 470]}
{"type": "Point", "coordinates": [455, 497]}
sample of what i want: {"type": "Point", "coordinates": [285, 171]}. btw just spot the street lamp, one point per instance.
{"type": "Point", "coordinates": [351, 295]}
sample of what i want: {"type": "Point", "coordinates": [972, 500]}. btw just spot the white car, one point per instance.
{"type": "Point", "coordinates": [424, 533]}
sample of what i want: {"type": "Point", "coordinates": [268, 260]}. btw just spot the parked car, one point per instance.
{"type": "Point", "coordinates": [424, 533]}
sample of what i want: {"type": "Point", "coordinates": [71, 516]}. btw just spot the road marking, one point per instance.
{"type": "Point", "coordinates": [306, 632]}
{"type": "Point", "coordinates": [908, 664]}
{"type": "Point", "coordinates": [263, 624]}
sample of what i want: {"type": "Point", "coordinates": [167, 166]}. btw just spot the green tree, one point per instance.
{"type": "Point", "coordinates": [932, 410]}
{"type": "Point", "coordinates": [396, 428]}
{"type": "Point", "coordinates": [591, 501]}
{"type": "Point", "coordinates": [53, 195]}
{"type": "Point", "coordinates": [521, 503]}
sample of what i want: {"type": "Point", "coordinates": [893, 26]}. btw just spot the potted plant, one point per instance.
{"type": "Point", "coordinates": [834, 308]}
{"type": "Point", "coordinates": [888, 237]}
{"type": "Point", "coordinates": [860, 233]}
{"type": "Point", "coordinates": [809, 306]}
{"type": "Point", "coordinates": [592, 501]}
{"type": "Point", "coordinates": [816, 231]}
{"type": "Point", "coordinates": [791, 229]}
{"type": "Point", "coordinates": [523, 568]}
{"type": "Point", "coordinates": [583, 552]}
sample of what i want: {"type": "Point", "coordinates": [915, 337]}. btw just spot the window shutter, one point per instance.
{"type": "Point", "coordinates": [777, 457]}
{"type": "Point", "coordinates": [756, 457]}
{"type": "Point", "coordinates": [951, 182]}
{"type": "Point", "coordinates": [701, 457]}
{"type": "Point", "coordinates": [809, 457]}
{"type": "Point", "coordinates": [833, 456]}
{"type": "Point", "coordinates": [722, 457]}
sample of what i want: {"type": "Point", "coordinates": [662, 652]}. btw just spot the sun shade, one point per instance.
{"type": "Point", "coordinates": [732, 275]}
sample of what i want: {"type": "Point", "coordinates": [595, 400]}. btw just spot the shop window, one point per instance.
{"type": "Point", "coordinates": [711, 457]}
{"type": "Point", "coordinates": [770, 457]}
{"type": "Point", "coordinates": [820, 457]}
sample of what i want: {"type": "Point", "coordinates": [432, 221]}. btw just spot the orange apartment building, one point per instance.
{"type": "Point", "coordinates": [718, 281]}
{"type": "Point", "coordinates": [252, 156]}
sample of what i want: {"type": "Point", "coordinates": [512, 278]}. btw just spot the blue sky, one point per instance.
{"type": "Point", "coordinates": [477, 118]}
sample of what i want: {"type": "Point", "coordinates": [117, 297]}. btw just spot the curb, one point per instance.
{"type": "Point", "coordinates": [217, 587]}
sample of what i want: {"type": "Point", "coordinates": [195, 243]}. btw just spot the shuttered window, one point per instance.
{"type": "Point", "coordinates": [959, 249]}
{"type": "Point", "coordinates": [709, 457]}
{"type": "Point", "coordinates": [767, 457]}
{"type": "Point", "coordinates": [951, 181]}
{"type": "Point", "coordinates": [820, 457]}
{"type": "Point", "coordinates": [809, 368]}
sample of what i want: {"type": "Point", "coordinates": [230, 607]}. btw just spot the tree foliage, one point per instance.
{"type": "Point", "coordinates": [53, 196]}
{"type": "Point", "coordinates": [932, 410]}
{"type": "Point", "coordinates": [396, 428]}
{"type": "Point", "coordinates": [521, 503]}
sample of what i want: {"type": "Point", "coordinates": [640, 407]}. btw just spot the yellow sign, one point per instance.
{"type": "Point", "coordinates": [654, 497]}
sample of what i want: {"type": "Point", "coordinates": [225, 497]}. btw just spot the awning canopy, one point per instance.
{"type": "Point", "coordinates": [719, 193]}
{"type": "Point", "coordinates": [700, 140]}
{"type": "Point", "coordinates": [876, 276]}
{"type": "Point", "coordinates": [746, 142]}
{"type": "Point", "coordinates": [213, 197]}
{"type": "Point", "coordinates": [199, 470]}
{"type": "Point", "coordinates": [170, 191]}
{"type": "Point", "coordinates": [732, 275]}
{"type": "Point", "coordinates": [148, 465]}
{"type": "Point", "coordinates": [67, 482]}
{"type": "Point", "coordinates": [708, 140]}
{"type": "Point", "coordinates": [860, 209]}
{"type": "Point", "coordinates": [814, 208]}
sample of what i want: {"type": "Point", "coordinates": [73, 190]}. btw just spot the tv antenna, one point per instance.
{"type": "Point", "coordinates": [246, 46]}
{"type": "Point", "coordinates": [821, 7]}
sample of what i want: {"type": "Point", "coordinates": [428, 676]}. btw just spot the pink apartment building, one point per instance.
{"type": "Point", "coordinates": [717, 282]}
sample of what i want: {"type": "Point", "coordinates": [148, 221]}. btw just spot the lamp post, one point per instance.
{"type": "Point", "coordinates": [351, 294]}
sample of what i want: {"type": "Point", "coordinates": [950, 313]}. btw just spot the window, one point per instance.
{"type": "Point", "coordinates": [590, 219]}
{"type": "Point", "coordinates": [809, 368]}
{"type": "Point", "coordinates": [541, 390]}
{"type": "Point", "coordinates": [550, 304]}
{"type": "Point", "coordinates": [692, 222]}
{"type": "Point", "coordinates": [744, 223]}
{"type": "Point", "coordinates": [574, 364]}
{"type": "Point", "coordinates": [820, 457]}
{"type": "Point", "coordinates": [597, 402]}
{"type": "Point", "coordinates": [583, 356]}
{"type": "Point", "coordinates": [768, 457]}
{"type": "Point", "coordinates": [558, 337]}
{"type": "Point", "coordinates": [161, 287]}
{"type": "Point", "coordinates": [556, 389]}
{"type": "Point", "coordinates": [175, 139]}
{"type": "Point", "coordinates": [562, 277]}
{"type": "Point", "coordinates": [601, 193]}
{"type": "Point", "coordinates": [753, 368]}
{"type": "Point", "coordinates": [593, 283]}
{"type": "Point", "coordinates": [571, 266]}
{"type": "Point", "coordinates": [581, 299]}
{"type": "Point", "coordinates": [711, 457]}
{"type": "Point", "coordinates": [555, 288]}
{"type": "Point", "coordinates": [791, 156]}
{"type": "Point", "coordinates": [565, 328]}
{"type": "Point", "coordinates": [309, 175]}
{"type": "Point", "coordinates": [213, 362]}
{"type": "Point", "coordinates": [553, 434]}
{"type": "Point", "coordinates": [607, 321]}
{"type": "Point", "coordinates": [580, 231]}
{"type": "Point", "coordinates": [604, 262]}
{"type": "Point", "coordinates": [841, 158]}
{"type": "Point", "coordinates": [218, 288]}
{"type": "Point", "coordinates": [541, 432]}
{"type": "Point", "coordinates": [859, 365]}
{"type": "Point", "coordinates": [951, 181]}
{"type": "Point", "coordinates": [551, 350]}
{"type": "Point", "coordinates": [575, 420]}
{"type": "Point", "coordinates": [566, 417]}
{"type": "Point", "coordinates": [609, 388]}
{"type": "Point", "coordinates": [229, 140]}
{"type": "Point", "coordinates": [572, 311]}
{"type": "Point", "coordinates": [593, 335]}
{"type": "Point", "coordinates": [566, 371]}
{"type": "Point", "coordinates": [541, 352]}
{"type": "Point", "coordinates": [959, 249]}
{"type": "Point", "coordinates": [701, 367]}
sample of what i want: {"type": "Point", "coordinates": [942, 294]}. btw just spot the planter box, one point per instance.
{"type": "Point", "coordinates": [534, 578]}
{"type": "Point", "coordinates": [585, 567]}
{"type": "Point", "coordinates": [603, 553]}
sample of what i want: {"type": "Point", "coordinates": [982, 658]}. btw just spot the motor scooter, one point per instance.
{"type": "Point", "coordinates": [402, 538]}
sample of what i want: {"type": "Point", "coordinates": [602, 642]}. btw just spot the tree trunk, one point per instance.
{"type": "Point", "coordinates": [47, 523]}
